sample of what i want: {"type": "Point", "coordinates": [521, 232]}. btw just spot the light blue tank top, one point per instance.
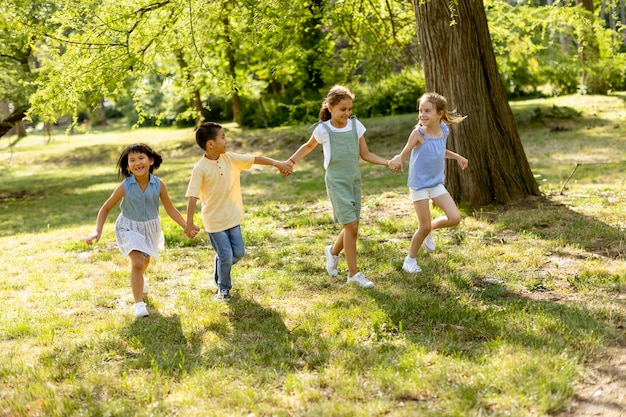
{"type": "Point", "coordinates": [427, 164]}
{"type": "Point", "coordinates": [140, 205]}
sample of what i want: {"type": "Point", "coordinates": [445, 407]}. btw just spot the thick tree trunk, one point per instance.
{"type": "Point", "coordinates": [459, 63]}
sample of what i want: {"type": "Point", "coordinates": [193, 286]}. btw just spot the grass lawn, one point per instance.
{"type": "Point", "coordinates": [515, 309]}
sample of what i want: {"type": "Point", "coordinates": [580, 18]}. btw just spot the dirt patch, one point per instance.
{"type": "Point", "coordinates": [602, 391]}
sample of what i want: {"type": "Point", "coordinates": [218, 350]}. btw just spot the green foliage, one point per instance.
{"type": "Point", "coordinates": [553, 49]}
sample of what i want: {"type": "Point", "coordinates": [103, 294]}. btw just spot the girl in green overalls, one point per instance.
{"type": "Point", "coordinates": [343, 141]}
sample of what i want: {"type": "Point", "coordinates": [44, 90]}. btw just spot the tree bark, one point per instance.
{"type": "Point", "coordinates": [460, 64]}
{"type": "Point", "coordinates": [232, 69]}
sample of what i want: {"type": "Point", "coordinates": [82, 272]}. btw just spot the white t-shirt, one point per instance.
{"type": "Point", "coordinates": [321, 135]}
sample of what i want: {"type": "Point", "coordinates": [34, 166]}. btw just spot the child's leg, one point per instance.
{"type": "Point", "coordinates": [229, 248]}
{"type": "Point", "coordinates": [138, 266]}
{"type": "Point", "coordinates": [452, 215]}
{"type": "Point", "coordinates": [350, 232]}
{"type": "Point", "coordinates": [236, 243]}
{"type": "Point", "coordinates": [423, 218]}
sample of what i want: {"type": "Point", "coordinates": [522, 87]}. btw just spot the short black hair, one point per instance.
{"type": "Point", "coordinates": [122, 163]}
{"type": "Point", "coordinates": [206, 132]}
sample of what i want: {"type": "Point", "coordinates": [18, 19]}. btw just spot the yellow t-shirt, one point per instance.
{"type": "Point", "coordinates": [217, 184]}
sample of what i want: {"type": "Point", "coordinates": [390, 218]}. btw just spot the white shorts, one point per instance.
{"type": "Point", "coordinates": [428, 193]}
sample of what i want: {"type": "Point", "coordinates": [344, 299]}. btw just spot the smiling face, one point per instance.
{"type": "Point", "coordinates": [340, 112]}
{"type": "Point", "coordinates": [139, 164]}
{"type": "Point", "coordinates": [428, 114]}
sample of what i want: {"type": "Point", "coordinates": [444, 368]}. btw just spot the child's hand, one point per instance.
{"type": "Point", "coordinates": [93, 239]}
{"type": "Point", "coordinates": [462, 162]}
{"type": "Point", "coordinates": [396, 164]}
{"type": "Point", "coordinates": [285, 168]}
{"type": "Point", "coordinates": [192, 230]}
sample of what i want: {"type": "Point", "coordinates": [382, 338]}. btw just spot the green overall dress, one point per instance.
{"type": "Point", "coordinates": [343, 176]}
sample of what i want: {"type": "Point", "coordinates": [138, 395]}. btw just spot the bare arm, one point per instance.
{"type": "Point", "coordinates": [370, 156]}
{"type": "Point", "coordinates": [283, 167]}
{"type": "Point", "coordinates": [415, 139]}
{"type": "Point", "coordinates": [462, 161]}
{"type": "Point", "coordinates": [303, 150]}
{"type": "Point", "coordinates": [169, 207]}
{"type": "Point", "coordinates": [103, 213]}
{"type": "Point", "coordinates": [191, 209]}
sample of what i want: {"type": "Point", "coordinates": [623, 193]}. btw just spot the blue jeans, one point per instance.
{"type": "Point", "coordinates": [228, 246]}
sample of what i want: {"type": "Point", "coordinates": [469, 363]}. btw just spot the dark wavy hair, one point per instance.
{"type": "Point", "coordinates": [122, 163]}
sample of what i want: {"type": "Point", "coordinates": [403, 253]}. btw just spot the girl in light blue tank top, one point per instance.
{"type": "Point", "coordinates": [138, 227]}
{"type": "Point", "coordinates": [343, 142]}
{"type": "Point", "coordinates": [427, 147]}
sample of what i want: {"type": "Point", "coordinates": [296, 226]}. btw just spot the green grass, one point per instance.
{"type": "Point", "coordinates": [509, 314]}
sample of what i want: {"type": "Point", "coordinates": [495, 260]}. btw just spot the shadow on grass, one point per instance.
{"type": "Point", "coordinates": [260, 339]}
{"type": "Point", "coordinates": [550, 220]}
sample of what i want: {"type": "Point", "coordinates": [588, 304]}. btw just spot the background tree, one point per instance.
{"type": "Point", "coordinates": [459, 63]}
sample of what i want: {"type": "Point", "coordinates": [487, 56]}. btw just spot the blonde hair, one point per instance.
{"type": "Point", "coordinates": [441, 104]}
{"type": "Point", "coordinates": [334, 96]}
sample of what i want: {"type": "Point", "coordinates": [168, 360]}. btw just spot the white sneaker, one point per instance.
{"type": "Point", "coordinates": [360, 279]}
{"type": "Point", "coordinates": [140, 309]}
{"type": "Point", "coordinates": [429, 243]}
{"type": "Point", "coordinates": [410, 265]}
{"type": "Point", "coordinates": [145, 286]}
{"type": "Point", "coordinates": [332, 261]}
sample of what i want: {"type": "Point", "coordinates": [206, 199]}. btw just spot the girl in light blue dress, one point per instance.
{"type": "Point", "coordinates": [138, 227]}
{"type": "Point", "coordinates": [427, 147]}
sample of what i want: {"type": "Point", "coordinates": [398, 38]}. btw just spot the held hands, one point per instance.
{"type": "Point", "coordinates": [395, 164]}
{"type": "Point", "coordinates": [285, 167]}
{"type": "Point", "coordinates": [192, 230]}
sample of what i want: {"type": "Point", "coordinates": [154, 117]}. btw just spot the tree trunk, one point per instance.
{"type": "Point", "coordinates": [232, 67]}
{"type": "Point", "coordinates": [197, 104]}
{"type": "Point", "coordinates": [459, 63]}
{"type": "Point", "coordinates": [21, 129]}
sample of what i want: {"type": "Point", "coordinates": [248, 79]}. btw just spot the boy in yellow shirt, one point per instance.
{"type": "Point", "coordinates": [215, 180]}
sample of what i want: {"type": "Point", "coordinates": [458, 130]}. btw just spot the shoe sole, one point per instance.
{"type": "Point", "coordinates": [411, 272]}
{"type": "Point", "coordinates": [429, 250]}
{"type": "Point", "coordinates": [370, 285]}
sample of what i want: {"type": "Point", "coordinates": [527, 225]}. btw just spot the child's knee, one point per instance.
{"type": "Point", "coordinates": [424, 229]}
{"type": "Point", "coordinates": [137, 264]}
{"type": "Point", "coordinates": [238, 255]}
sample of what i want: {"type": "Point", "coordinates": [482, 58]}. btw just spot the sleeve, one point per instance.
{"type": "Point", "coordinates": [320, 134]}
{"type": "Point", "coordinates": [195, 183]}
{"type": "Point", "coordinates": [241, 161]}
{"type": "Point", "coordinates": [360, 128]}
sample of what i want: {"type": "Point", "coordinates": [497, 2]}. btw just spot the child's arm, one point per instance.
{"type": "Point", "coordinates": [283, 167]}
{"type": "Point", "coordinates": [370, 156]}
{"type": "Point", "coordinates": [191, 230]}
{"type": "Point", "coordinates": [462, 161]}
{"type": "Point", "coordinates": [415, 139]}
{"type": "Point", "coordinates": [302, 151]}
{"type": "Point", "coordinates": [169, 207]}
{"type": "Point", "coordinates": [103, 213]}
